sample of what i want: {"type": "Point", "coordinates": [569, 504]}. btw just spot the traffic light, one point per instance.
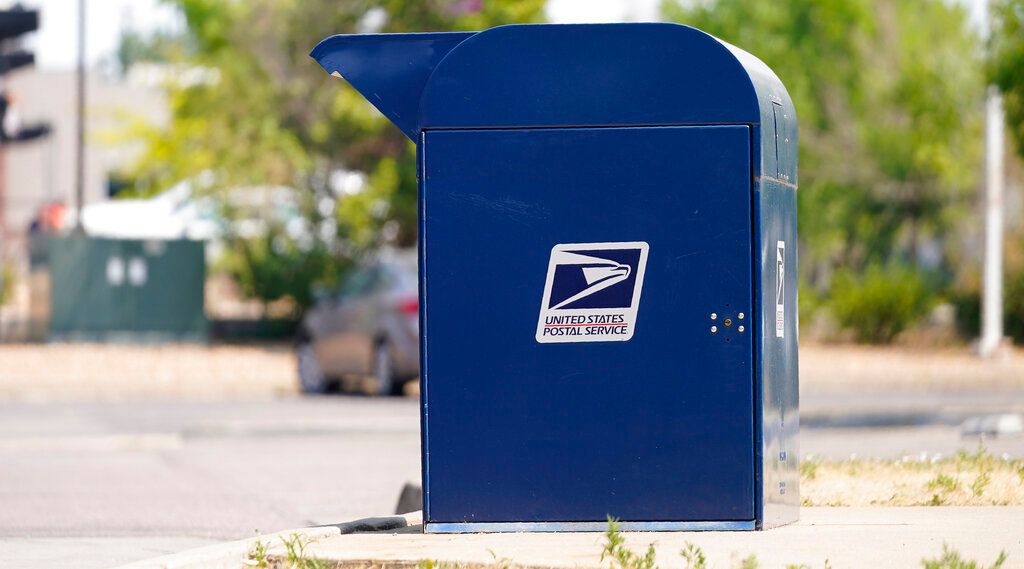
{"type": "Point", "coordinates": [14, 23]}
{"type": "Point", "coordinates": [11, 129]}
{"type": "Point", "coordinates": [17, 21]}
{"type": "Point", "coordinates": [15, 59]}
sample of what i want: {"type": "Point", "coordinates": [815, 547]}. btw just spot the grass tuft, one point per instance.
{"type": "Point", "coordinates": [943, 482]}
{"type": "Point", "coordinates": [620, 556]}
{"type": "Point", "coordinates": [257, 556]}
{"type": "Point", "coordinates": [951, 559]}
{"type": "Point", "coordinates": [295, 551]}
{"type": "Point", "coordinates": [694, 557]}
{"type": "Point", "coordinates": [750, 562]}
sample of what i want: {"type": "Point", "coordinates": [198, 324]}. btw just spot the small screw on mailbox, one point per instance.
{"type": "Point", "coordinates": [554, 162]}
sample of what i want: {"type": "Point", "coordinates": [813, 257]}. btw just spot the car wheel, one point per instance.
{"type": "Point", "coordinates": [384, 371]}
{"type": "Point", "coordinates": [311, 375]}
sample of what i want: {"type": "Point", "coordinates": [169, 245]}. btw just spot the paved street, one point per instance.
{"type": "Point", "coordinates": [185, 472]}
{"type": "Point", "coordinates": [145, 477]}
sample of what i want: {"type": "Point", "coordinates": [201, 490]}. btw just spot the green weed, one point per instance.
{"type": "Point", "coordinates": [295, 548]}
{"type": "Point", "coordinates": [951, 559]}
{"type": "Point", "coordinates": [980, 483]}
{"type": "Point", "coordinates": [806, 566]}
{"type": "Point", "coordinates": [694, 557]}
{"type": "Point", "coordinates": [501, 563]}
{"type": "Point", "coordinates": [809, 468]}
{"type": "Point", "coordinates": [620, 556]}
{"type": "Point", "coordinates": [943, 482]}
{"type": "Point", "coordinates": [258, 554]}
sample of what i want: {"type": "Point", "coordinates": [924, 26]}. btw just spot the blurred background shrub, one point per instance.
{"type": "Point", "coordinates": [878, 304]}
{"type": "Point", "coordinates": [968, 308]}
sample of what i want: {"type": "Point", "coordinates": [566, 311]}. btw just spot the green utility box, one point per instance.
{"type": "Point", "coordinates": [127, 289]}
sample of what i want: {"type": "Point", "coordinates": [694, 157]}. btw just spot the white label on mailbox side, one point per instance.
{"type": "Point", "coordinates": [592, 292]}
{"type": "Point", "coordinates": [780, 289]}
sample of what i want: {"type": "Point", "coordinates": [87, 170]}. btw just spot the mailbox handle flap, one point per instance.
{"type": "Point", "coordinates": [389, 70]}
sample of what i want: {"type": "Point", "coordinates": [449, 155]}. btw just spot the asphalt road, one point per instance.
{"type": "Point", "coordinates": [101, 483]}
{"type": "Point", "coordinates": [140, 479]}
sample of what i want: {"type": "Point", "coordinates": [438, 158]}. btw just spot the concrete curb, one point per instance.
{"type": "Point", "coordinates": [848, 537]}
{"type": "Point", "coordinates": [234, 554]}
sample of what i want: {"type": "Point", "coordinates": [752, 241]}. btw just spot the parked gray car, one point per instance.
{"type": "Point", "coordinates": [368, 328]}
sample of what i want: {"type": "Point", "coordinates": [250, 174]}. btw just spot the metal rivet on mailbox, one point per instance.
{"type": "Point", "coordinates": [728, 322]}
{"type": "Point", "coordinates": [714, 329]}
{"type": "Point", "coordinates": [714, 316]}
{"type": "Point", "coordinates": [740, 316]}
{"type": "Point", "coordinates": [741, 328]}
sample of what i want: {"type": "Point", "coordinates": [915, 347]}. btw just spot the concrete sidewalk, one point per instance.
{"type": "Point", "coordinates": [849, 538]}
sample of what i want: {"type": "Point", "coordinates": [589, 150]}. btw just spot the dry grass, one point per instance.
{"type": "Point", "coordinates": [967, 479]}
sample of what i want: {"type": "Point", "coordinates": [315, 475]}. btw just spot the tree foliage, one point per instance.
{"type": "Point", "coordinates": [880, 302]}
{"type": "Point", "coordinates": [251, 109]}
{"type": "Point", "coordinates": [1007, 63]}
{"type": "Point", "coordinates": [888, 96]}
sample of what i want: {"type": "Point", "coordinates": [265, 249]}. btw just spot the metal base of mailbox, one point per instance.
{"type": "Point", "coordinates": [516, 527]}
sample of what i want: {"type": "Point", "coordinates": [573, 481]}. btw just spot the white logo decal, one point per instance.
{"type": "Point", "coordinates": [592, 292]}
{"type": "Point", "coordinates": [780, 289]}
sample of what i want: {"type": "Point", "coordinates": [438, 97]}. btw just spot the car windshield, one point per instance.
{"type": "Point", "coordinates": [360, 282]}
{"type": "Point", "coordinates": [402, 273]}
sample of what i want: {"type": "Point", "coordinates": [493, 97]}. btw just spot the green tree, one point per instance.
{"type": "Point", "coordinates": [888, 97]}
{"type": "Point", "coordinates": [160, 46]}
{"type": "Point", "coordinates": [252, 109]}
{"type": "Point", "coordinates": [1006, 68]}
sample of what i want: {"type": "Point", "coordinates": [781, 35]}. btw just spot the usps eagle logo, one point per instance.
{"type": "Point", "coordinates": [592, 292]}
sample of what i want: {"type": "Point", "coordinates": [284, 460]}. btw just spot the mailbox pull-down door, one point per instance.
{"type": "Point", "coordinates": [656, 427]}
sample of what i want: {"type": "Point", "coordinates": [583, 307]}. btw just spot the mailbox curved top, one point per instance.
{"type": "Point", "coordinates": [552, 75]}
{"type": "Point", "coordinates": [595, 75]}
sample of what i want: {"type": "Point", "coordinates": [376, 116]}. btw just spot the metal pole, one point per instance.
{"type": "Point", "coordinates": [80, 142]}
{"type": "Point", "coordinates": [3, 184]}
{"type": "Point", "coordinates": [992, 293]}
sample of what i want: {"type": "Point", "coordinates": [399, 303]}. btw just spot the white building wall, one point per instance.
{"type": "Point", "coordinates": [44, 170]}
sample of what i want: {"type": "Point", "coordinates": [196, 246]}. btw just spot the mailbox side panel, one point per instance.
{"type": "Point", "coordinates": [775, 212]}
{"type": "Point", "coordinates": [774, 209]}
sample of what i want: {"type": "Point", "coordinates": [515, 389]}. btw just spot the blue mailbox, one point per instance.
{"type": "Point", "coordinates": [607, 233]}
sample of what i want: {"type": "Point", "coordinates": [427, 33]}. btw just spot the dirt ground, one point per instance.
{"type": "Point", "coordinates": [825, 367]}
{"type": "Point", "coordinates": [114, 371]}
{"type": "Point", "coordinates": [106, 371]}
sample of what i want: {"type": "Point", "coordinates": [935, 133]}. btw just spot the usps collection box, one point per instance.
{"type": "Point", "coordinates": [607, 274]}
